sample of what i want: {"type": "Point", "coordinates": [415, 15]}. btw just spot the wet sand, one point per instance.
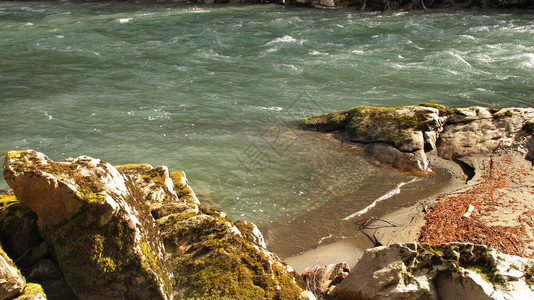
{"type": "Point", "coordinates": [398, 219]}
{"type": "Point", "coordinates": [509, 205]}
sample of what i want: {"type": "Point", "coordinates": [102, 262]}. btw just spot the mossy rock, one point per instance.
{"type": "Point", "coordinates": [32, 291]}
{"type": "Point", "coordinates": [477, 258]}
{"type": "Point", "coordinates": [213, 262]}
{"type": "Point", "coordinates": [396, 125]}
{"type": "Point", "coordinates": [182, 187]}
{"type": "Point", "coordinates": [97, 224]}
{"type": "Point", "coordinates": [327, 122]}
{"type": "Point", "coordinates": [11, 280]}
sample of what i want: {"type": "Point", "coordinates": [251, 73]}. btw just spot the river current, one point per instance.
{"type": "Point", "coordinates": [216, 91]}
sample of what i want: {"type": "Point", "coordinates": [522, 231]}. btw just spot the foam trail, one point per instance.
{"type": "Point", "coordinates": [388, 195]}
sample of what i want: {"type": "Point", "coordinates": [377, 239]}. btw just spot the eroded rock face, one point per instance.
{"type": "Point", "coordinates": [212, 257]}
{"type": "Point", "coordinates": [476, 130]}
{"type": "Point", "coordinates": [97, 223]}
{"type": "Point", "coordinates": [414, 130]}
{"type": "Point", "coordinates": [447, 271]}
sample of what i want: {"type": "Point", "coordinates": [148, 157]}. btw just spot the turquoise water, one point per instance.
{"type": "Point", "coordinates": [216, 90]}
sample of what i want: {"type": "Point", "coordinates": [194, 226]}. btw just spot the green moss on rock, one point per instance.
{"type": "Point", "coordinates": [362, 120]}
{"type": "Point", "coordinates": [90, 250]}
{"type": "Point", "coordinates": [31, 291]}
{"type": "Point", "coordinates": [211, 259]}
{"type": "Point", "coordinates": [182, 189]}
{"type": "Point", "coordinates": [230, 269]}
{"type": "Point", "coordinates": [327, 122]}
{"type": "Point", "coordinates": [443, 110]}
{"type": "Point", "coordinates": [11, 280]}
{"type": "Point", "coordinates": [467, 256]}
{"type": "Point", "coordinates": [7, 200]}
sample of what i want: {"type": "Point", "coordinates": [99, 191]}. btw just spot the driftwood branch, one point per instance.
{"type": "Point", "coordinates": [373, 223]}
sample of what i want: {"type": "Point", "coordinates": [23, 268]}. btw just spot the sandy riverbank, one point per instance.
{"type": "Point", "coordinates": [500, 194]}
{"type": "Point", "coordinates": [400, 225]}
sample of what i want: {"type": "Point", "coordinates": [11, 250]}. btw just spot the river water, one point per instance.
{"type": "Point", "coordinates": [216, 91]}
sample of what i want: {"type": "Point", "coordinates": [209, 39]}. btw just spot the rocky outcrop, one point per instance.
{"type": "Point", "coordinates": [447, 271]}
{"type": "Point", "coordinates": [478, 130]}
{"type": "Point", "coordinates": [98, 226]}
{"type": "Point", "coordinates": [211, 256]}
{"type": "Point", "coordinates": [138, 231]}
{"type": "Point", "coordinates": [414, 130]}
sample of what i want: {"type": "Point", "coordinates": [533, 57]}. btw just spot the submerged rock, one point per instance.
{"type": "Point", "coordinates": [98, 225]}
{"type": "Point", "coordinates": [447, 271]}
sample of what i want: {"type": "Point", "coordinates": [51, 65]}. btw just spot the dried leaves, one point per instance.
{"type": "Point", "coordinates": [445, 220]}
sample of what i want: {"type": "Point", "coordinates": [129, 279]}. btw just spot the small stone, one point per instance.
{"type": "Point", "coordinates": [11, 281]}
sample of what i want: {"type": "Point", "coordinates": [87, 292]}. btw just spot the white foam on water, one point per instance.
{"type": "Point", "coordinates": [388, 195]}
{"type": "Point", "coordinates": [460, 58]}
{"type": "Point", "coordinates": [272, 108]}
{"type": "Point", "coordinates": [529, 60]}
{"type": "Point", "coordinates": [321, 240]}
{"type": "Point", "coordinates": [284, 39]}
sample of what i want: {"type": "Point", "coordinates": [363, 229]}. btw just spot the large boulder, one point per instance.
{"type": "Point", "coordinates": [212, 257]}
{"type": "Point", "coordinates": [96, 222]}
{"type": "Point", "coordinates": [447, 271]}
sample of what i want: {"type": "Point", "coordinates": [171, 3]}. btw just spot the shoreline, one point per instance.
{"type": "Point", "coordinates": [408, 221]}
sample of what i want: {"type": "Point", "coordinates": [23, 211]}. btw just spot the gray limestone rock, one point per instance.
{"type": "Point", "coordinates": [447, 271]}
